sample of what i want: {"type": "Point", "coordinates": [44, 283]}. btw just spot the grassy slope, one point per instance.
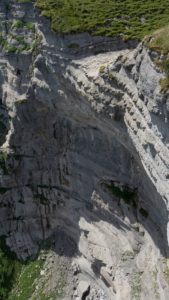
{"type": "Point", "coordinates": [132, 18]}
{"type": "Point", "coordinates": [17, 279]}
{"type": "Point", "coordinates": [160, 43]}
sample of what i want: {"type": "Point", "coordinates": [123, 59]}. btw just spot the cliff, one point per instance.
{"type": "Point", "coordinates": [84, 159]}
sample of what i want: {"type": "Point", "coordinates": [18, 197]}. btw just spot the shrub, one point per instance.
{"type": "Point", "coordinates": [102, 69]}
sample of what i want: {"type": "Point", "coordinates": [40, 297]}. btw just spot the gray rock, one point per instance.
{"type": "Point", "coordinates": [75, 140]}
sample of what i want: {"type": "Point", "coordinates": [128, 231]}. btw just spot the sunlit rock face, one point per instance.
{"type": "Point", "coordinates": [84, 157]}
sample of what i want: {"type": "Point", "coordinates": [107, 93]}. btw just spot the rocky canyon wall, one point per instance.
{"type": "Point", "coordinates": [84, 156]}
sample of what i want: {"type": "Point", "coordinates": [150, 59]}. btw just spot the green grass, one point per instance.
{"type": "Point", "coordinates": [30, 26]}
{"type": "Point", "coordinates": [131, 18]}
{"type": "Point", "coordinates": [18, 24]}
{"type": "Point", "coordinates": [25, 285]}
{"type": "Point", "coordinates": [17, 279]}
{"type": "Point", "coordinates": [10, 48]}
{"type": "Point", "coordinates": [9, 269]}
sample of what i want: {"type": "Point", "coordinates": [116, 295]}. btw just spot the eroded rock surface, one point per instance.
{"type": "Point", "coordinates": [84, 159]}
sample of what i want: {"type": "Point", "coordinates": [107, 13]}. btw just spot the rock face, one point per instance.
{"type": "Point", "coordinates": [84, 157]}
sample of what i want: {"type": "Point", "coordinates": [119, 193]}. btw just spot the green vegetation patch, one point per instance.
{"type": "Point", "coordinates": [135, 283]}
{"type": "Point", "coordinates": [159, 42]}
{"type": "Point", "coordinates": [131, 18]}
{"type": "Point", "coordinates": [3, 162]}
{"type": "Point", "coordinates": [18, 24]}
{"type": "Point", "coordinates": [129, 195]}
{"type": "Point", "coordinates": [24, 1]}
{"type": "Point", "coordinates": [102, 69]}
{"type": "Point", "coordinates": [6, 164]}
{"type": "Point", "coordinates": [25, 285]}
{"type": "Point", "coordinates": [17, 278]}
{"type": "Point", "coordinates": [9, 269]}
{"type": "Point", "coordinates": [166, 270]}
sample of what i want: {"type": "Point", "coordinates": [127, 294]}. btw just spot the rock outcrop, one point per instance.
{"type": "Point", "coordinates": [84, 157]}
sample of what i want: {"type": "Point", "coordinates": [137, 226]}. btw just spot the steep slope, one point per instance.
{"type": "Point", "coordinates": [84, 161]}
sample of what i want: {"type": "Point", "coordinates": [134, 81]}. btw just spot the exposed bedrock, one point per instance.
{"type": "Point", "coordinates": [84, 159]}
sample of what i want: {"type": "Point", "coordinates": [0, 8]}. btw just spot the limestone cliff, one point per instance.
{"type": "Point", "coordinates": [84, 158]}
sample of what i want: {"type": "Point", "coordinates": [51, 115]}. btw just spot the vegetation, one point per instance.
{"type": "Point", "coordinates": [17, 279]}
{"type": "Point", "coordinates": [127, 255]}
{"type": "Point", "coordinates": [102, 69]}
{"type": "Point", "coordinates": [9, 269]}
{"type": "Point", "coordinates": [18, 24]}
{"type": "Point", "coordinates": [25, 284]}
{"type": "Point", "coordinates": [21, 24]}
{"type": "Point", "coordinates": [166, 270]}
{"type": "Point", "coordinates": [132, 19]}
{"type": "Point", "coordinates": [24, 1]}
{"type": "Point", "coordinates": [159, 42]}
{"type": "Point", "coordinates": [3, 162]}
{"type": "Point", "coordinates": [136, 285]}
{"type": "Point", "coordinates": [126, 193]}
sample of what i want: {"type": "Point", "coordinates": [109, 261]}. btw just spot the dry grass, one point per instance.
{"type": "Point", "coordinates": [160, 40]}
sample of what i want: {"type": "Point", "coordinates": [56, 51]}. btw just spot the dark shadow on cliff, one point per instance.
{"type": "Point", "coordinates": [64, 160]}
{"type": "Point", "coordinates": [61, 152]}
